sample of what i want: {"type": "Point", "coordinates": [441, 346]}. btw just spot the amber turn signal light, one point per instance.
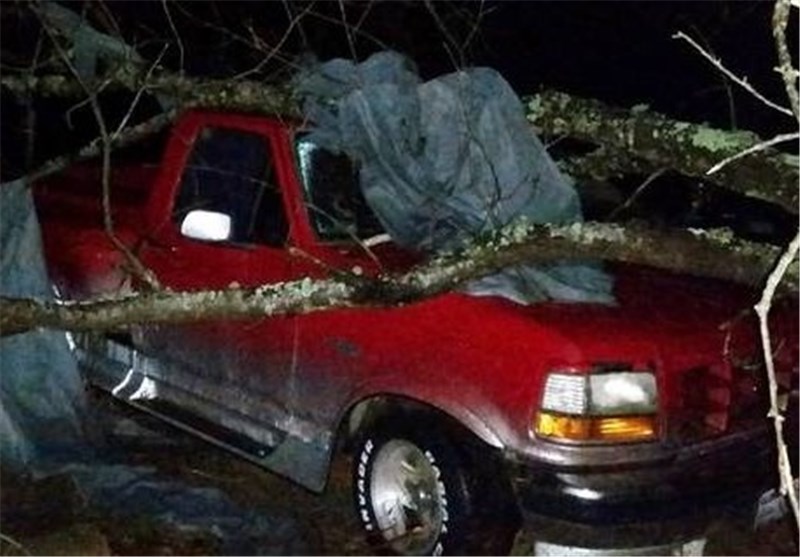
{"type": "Point", "coordinates": [581, 428]}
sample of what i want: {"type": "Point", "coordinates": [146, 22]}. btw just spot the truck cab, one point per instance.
{"type": "Point", "coordinates": [463, 414]}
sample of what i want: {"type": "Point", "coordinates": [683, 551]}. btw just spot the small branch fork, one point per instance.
{"type": "Point", "coordinates": [741, 81]}
{"type": "Point", "coordinates": [762, 146]}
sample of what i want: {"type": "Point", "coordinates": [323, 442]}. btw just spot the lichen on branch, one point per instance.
{"type": "Point", "coordinates": [710, 253]}
{"type": "Point", "coordinates": [633, 141]}
{"type": "Point", "coordinates": [658, 142]}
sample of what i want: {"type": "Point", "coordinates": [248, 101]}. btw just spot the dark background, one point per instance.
{"type": "Point", "coordinates": [618, 52]}
{"type": "Point", "coordinates": [621, 53]}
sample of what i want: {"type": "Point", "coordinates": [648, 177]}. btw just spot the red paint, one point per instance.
{"type": "Point", "coordinates": [482, 360]}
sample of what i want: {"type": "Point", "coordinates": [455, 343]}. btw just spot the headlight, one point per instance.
{"type": "Point", "coordinates": [622, 393]}
{"type": "Point", "coordinates": [607, 406]}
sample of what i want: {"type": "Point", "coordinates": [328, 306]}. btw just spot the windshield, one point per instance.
{"type": "Point", "coordinates": [336, 206]}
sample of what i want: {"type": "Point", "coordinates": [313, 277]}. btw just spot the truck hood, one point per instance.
{"type": "Point", "coordinates": [658, 314]}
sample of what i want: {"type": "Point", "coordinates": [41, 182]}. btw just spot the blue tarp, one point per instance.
{"type": "Point", "coordinates": [445, 160]}
{"type": "Point", "coordinates": [41, 394]}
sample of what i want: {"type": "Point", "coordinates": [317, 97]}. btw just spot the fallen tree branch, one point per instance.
{"type": "Point", "coordinates": [688, 148]}
{"type": "Point", "coordinates": [643, 141]}
{"type": "Point", "coordinates": [605, 163]}
{"type": "Point", "coordinates": [708, 253]}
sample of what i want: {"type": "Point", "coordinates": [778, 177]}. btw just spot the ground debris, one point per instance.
{"type": "Point", "coordinates": [51, 516]}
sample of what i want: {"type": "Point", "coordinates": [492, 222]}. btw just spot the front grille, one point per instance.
{"type": "Point", "coordinates": [716, 398]}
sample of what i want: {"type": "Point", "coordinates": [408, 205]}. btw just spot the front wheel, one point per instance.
{"type": "Point", "coordinates": [420, 491]}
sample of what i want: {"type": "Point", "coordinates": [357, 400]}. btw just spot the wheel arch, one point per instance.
{"type": "Point", "coordinates": [483, 514]}
{"type": "Point", "coordinates": [367, 410]}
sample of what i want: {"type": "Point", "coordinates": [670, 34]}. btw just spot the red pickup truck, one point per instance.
{"type": "Point", "coordinates": [463, 413]}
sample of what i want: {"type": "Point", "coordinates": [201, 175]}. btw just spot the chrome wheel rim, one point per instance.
{"type": "Point", "coordinates": [407, 498]}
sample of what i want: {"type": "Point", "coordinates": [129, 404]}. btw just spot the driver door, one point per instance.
{"type": "Point", "coordinates": [228, 229]}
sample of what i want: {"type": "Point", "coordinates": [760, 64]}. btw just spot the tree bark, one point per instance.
{"type": "Point", "coordinates": [711, 253]}
{"type": "Point", "coordinates": [632, 141]}
{"type": "Point", "coordinates": [657, 142]}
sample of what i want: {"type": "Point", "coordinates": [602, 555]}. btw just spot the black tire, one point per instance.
{"type": "Point", "coordinates": [474, 514]}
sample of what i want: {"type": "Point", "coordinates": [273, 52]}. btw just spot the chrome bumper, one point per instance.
{"type": "Point", "coordinates": [666, 500]}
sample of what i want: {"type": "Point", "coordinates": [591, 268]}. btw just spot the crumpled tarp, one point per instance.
{"type": "Point", "coordinates": [446, 160]}
{"type": "Point", "coordinates": [41, 394]}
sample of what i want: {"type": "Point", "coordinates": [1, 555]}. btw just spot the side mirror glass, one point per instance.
{"type": "Point", "coordinates": [210, 226]}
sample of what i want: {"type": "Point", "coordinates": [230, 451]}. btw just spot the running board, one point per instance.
{"type": "Point", "coordinates": [141, 381]}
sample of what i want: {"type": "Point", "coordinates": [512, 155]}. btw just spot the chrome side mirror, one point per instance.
{"type": "Point", "coordinates": [210, 226]}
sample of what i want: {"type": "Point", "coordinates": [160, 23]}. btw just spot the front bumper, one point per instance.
{"type": "Point", "coordinates": [673, 497]}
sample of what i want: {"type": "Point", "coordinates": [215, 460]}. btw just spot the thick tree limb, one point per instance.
{"type": "Point", "coordinates": [714, 253]}
{"type": "Point", "coordinates": [636, 141]}
{"type": "Point", "coordinates": [605, 163]}
{"type": "Point", "coordinates": [691, 149]}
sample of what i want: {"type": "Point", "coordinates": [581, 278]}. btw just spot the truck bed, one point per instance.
{"type": "Point", "coordinates": [70, 209]}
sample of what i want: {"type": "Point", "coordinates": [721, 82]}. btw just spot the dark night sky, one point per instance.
{"type": "Point", "coordinates": [619, 52]}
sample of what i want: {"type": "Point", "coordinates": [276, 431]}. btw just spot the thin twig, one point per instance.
{"type": "Point", "coordinates": [350, 42]}
{"type": "Point", "coordinates": [762, 309]}
{"type": "Point", "coordinates": [476, 25]}
{"type": "Point", "coordinates": [30, 111]}
{"type": "Point", "coordinates": [780, 20]}
{"type": "Point", "coordinates": [235, 37]}
{"type": "Point", "coordinates": [177, 35]}
{"type": "Point", "coordinates": [99, 88]}
{"type": "Point", "coordinates": [450, 41]}
{"type": "Point", "coordinates": [726, 82]}
{"type": "Point", "coordinates": [270, 54]}
{"type": "Point", "coordinates": [14, 543]}
{"type": "Point", "coordinates": [287, 6]}
{"type": "Point", "coordinates": [635, 195]}
{"type": "Point", "coordinates": [741, 81]}
{"type": "Point", "coordinates": [363, 16]}
{"type": "Point", "coordinates": [781, 138]}
{"type": "Point", "coordinates": [359, 32]}
{"type": "Point", "coordinates": [137, 267]}
{"type": "Point", "coordinates": [94, 148]}
{"type": "Point", "coordinates": [124, 122]}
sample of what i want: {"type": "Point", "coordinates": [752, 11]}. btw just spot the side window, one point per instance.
{"type": "Point", "coordinates": [229, 190]}
{"type": "Point", "coordinates": [335, 203]}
